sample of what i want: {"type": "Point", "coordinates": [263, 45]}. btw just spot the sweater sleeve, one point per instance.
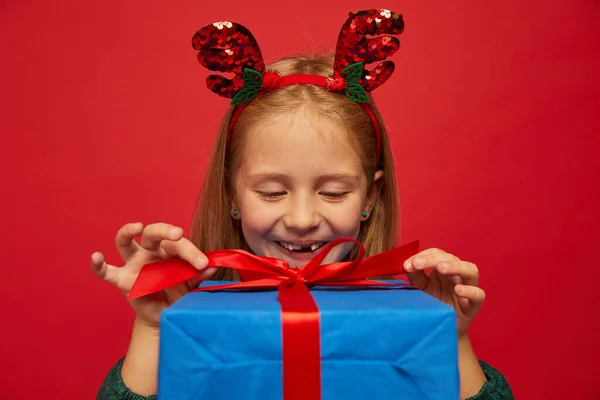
{"type": "Point", "coordinates": [496, 387]}
{"type": "Point", "coordinates": [113, 387]}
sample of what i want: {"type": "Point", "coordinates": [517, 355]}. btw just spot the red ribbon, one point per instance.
{"type": "Point", "coordinates": [300, 314]}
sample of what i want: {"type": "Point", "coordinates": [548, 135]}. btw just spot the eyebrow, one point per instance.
{"type": "Point", "coordinates": [275, 176]}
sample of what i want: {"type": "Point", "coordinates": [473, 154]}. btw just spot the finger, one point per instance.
{"type": "Point", "coordinates": [456, 280]}
{"type": "Point", "coordinates": [468, 272]}
{"type": "Point", "coordinates": [431, 250]}
{"type": "Point", "coordinates": [104, 271]}
{"type": "Point", "coordinates": [474, 294]}
{"type": "Point", "coordinates": [471, 298]}
{"type": "Point", "coordinates": [427, 259]}
{"type": "Point", "coordinates": [206, 274]}
{"type": "Point", "coordinates": [126, 245]}
{"type": "Point", "coordinates": [186, 250]}
{"type": "Point", "coordinates": [153, 234]}
{"type": "Point", "coordinates": [418, 279]}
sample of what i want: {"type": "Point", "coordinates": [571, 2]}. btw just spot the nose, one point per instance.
{"type": "Point", "coordinates": [302, 216]}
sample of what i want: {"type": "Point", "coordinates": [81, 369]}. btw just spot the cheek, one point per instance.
{"type": "Point", "coordinates": [345, 217]}
{"type": "Point", "coordinates": [257, 215]}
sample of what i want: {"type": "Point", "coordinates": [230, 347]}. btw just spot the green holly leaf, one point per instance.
{"type": "Point", "coordinates": [252, 78]}
{"type": "Point", "coordinates": [356, 92]}
{"type": "Point", "coordinates": [252, 84]}
{"type": "Point", "coordinates": [353, 72]}
{"type": "Point", "coordinates": [244, 95]}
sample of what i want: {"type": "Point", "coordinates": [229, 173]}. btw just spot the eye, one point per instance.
{"type": "Point", "coordinates": [270, 195]}
{"type": "Point", "coordinates": [335, 195]}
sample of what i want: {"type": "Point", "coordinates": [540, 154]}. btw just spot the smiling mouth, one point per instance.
{"type": "Point", "coordinates": [309, 248]}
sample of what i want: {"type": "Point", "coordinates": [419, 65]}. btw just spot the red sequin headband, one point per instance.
{"type": "Point", "coordinates": [230, 47]}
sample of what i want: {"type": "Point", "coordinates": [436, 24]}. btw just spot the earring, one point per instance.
{"type": "Point", "coordinates": [365, 214]}
{"type": "Point", "coordinates": [235, 212]}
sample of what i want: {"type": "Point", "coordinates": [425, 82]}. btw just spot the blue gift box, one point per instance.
{"type": "Point", "coordinates": [375, 344]}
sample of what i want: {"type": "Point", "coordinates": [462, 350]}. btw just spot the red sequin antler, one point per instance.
{"type": "Point", "coordinates": [354, 49]}
{"type": "Point", "coordinates": [230, 47]}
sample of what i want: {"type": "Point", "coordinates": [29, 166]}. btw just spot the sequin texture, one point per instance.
{"type": "Point", "coordinates": [227, 47]}
{"type": "Point", "coordinates": [353, 45]}
{"type": "Point", "coordinates": [367, 36]}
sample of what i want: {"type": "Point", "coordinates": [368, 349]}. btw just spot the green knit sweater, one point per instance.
{"type": "Point", "coordinates": [113, 388]}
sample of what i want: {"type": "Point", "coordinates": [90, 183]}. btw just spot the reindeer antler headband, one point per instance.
{"type": "Point", "coordinates": [230, 47]}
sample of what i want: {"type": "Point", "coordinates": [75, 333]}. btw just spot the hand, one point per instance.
{"type": "Point", "coordinates": [158, 242]}
{"type": "Point", "coordinates": [450, 280]}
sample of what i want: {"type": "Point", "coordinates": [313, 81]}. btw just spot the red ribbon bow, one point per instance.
{"type": "Point", "coordinates": [300, 314]}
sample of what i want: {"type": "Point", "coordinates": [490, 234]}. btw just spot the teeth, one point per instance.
{"type": "Point", "coordinates": [293, 247]}
{"type": "Point", "coordinates": [290, 246]}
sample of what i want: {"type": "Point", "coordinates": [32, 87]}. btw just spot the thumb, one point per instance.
{"type": "Point", "coordinates": [104, 271]}
{"type": "Point", "coordinates": [197, 280]}
{"type": "Point", "coordinates": [418, 279]}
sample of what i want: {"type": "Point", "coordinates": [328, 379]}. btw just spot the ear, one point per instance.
{"type": "Point", "coordinates": [374, 191]}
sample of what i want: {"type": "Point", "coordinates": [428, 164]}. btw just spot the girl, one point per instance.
{"type": "Point", "coordinates": [301, 158]}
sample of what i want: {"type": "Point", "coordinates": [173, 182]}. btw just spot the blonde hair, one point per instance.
{"type": "Point", "coordinates": [213, 227]}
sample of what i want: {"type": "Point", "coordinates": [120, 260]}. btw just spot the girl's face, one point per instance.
{"type": "Point", "coordinates": [300, 184]}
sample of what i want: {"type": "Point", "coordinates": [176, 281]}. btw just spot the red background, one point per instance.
{"type": "Point", "coordinates": [493, 116]}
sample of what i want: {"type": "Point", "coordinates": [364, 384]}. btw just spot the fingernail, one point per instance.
{"type": "Point", "coordinates": [96, 258]}
{"type": "Point", "coordinates": [200, 262]}
{"type": "Point", "coordinates": [443, 267]}
{"type": "Point", "coordinates": [458, 288]}
{"type": "Point", "coordinates": [408, 266]}
{"type": "Point", "coordinates": [417, 261]}
{"type": "Point", "coordinates": [176, 231]}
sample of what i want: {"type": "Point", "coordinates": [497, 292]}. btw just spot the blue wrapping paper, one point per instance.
{"type": "Point", "coordinates": [375, 344]}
